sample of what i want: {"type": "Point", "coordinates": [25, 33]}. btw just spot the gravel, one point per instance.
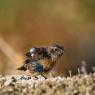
{"type": "Point", "coordinates": [26, 85]}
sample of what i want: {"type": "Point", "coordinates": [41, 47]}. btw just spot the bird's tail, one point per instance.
{"type": "Point", "coordinates": [22, 68]}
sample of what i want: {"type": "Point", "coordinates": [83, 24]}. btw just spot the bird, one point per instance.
{"type": "Point", "coordinates": [41, 60]}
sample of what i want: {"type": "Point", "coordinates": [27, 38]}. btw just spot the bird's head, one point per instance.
{"type": "Point", "coordinates": [55, 51]}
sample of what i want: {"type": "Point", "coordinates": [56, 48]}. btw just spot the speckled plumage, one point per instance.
{"type": "Point", "coordinates": [42, 60]}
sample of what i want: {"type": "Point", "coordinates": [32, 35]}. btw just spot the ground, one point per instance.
{"type": "Point", "coordinates": [26, 85]}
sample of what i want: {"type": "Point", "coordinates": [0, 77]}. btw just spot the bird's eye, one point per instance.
{"type": "Point", "coordinates": [56, 49]}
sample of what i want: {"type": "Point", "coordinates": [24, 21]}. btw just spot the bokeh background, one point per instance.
{"type": "Point", "coordinates": [28, 23]}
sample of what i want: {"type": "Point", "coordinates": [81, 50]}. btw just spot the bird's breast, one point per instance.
{"type": "Point", "coordinates": [47, 64]}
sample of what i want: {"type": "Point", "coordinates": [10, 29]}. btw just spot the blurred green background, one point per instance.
{"type": "Point", "coordinates": [28, 23]}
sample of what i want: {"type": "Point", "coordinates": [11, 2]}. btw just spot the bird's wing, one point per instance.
{"type": "Point", "coordinates": [37, 67]}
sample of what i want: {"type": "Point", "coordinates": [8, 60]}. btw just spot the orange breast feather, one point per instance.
{"type": "Point", "coordinates": [47, 64]}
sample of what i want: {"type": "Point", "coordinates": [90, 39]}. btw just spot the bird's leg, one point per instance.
{"type": "Point", "coordinates": [53, 75]}
{"type": "Point", "coordinates": [43, 76]}
{"type": "Point", "coordinates": [36, 77]}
